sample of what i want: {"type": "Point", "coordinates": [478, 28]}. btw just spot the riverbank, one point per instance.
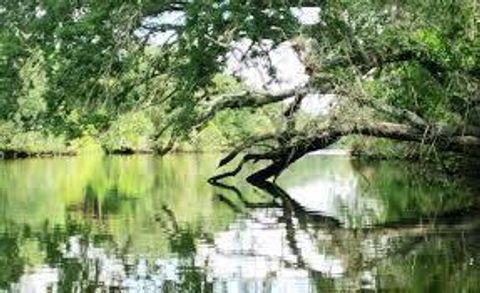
{"type": "Point", "coordinates": [19, 154]}
{"type": "Point", "coordinates": [33, 144]}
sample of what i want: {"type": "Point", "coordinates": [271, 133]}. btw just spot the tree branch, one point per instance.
{"type": "Point", "coordinates": [283, 157]}
{"type": "Point", "coordinates": [245, 99]}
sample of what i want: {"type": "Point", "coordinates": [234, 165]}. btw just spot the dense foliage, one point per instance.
{"type": "Point", "coordinates": [77, 72]}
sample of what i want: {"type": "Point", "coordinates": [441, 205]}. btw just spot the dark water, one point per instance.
{"type": "Point", "coordinates": [145, 224]}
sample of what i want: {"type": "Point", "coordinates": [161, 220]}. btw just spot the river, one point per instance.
{"type": "Point", "coordinates": [150, 224]}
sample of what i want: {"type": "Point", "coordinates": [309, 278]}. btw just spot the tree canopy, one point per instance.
{"type": "Point", "coordinates": [135, 72]}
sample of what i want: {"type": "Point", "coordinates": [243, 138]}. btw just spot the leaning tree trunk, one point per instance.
{"type": "Point", "coordinates": [444, 139]}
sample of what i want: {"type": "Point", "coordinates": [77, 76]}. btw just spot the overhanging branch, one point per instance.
{"type": "Point", "coordinates": [286, 155]}
{"type": "Point", "coordinates": [244, 99]}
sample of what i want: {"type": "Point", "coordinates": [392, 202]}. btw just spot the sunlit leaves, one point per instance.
{"type": "Point", "coordinates": [32, 101]}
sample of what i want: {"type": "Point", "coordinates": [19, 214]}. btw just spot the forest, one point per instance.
{"type": "Point", "coordinates": [153, 76]}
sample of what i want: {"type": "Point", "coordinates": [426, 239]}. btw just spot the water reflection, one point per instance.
{"type": "Point", "coordinates": [361, 194]}
{"type": "Point", "coordinates": [145, 224]}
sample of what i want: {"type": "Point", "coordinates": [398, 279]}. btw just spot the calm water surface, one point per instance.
{"type": "Point", "coordinates": [147, 224]}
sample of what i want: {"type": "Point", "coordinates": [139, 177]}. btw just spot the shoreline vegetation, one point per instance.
{"type": "Point", "coordinates": [372, 149]}
{"type": "Point", "coordinates": [355, 147]}
{"type": "Point", "coordinates": [211, 140]}
{"type": "Point", "coordinates": [391, 80]}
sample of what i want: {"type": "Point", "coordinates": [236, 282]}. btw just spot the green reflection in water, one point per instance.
{"type": "Point", "coordinates": [370, 193]}
{"type": "Point", "coordinates": [145, 223]}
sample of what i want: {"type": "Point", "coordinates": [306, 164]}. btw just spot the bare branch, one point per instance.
{"type": "Point", "coordinates": [245, 99]}
{"type": "Point", "coordinates": [244, 146]}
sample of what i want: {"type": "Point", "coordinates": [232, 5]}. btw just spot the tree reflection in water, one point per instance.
{"type": "Point", "coordinates": [238, 238]}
